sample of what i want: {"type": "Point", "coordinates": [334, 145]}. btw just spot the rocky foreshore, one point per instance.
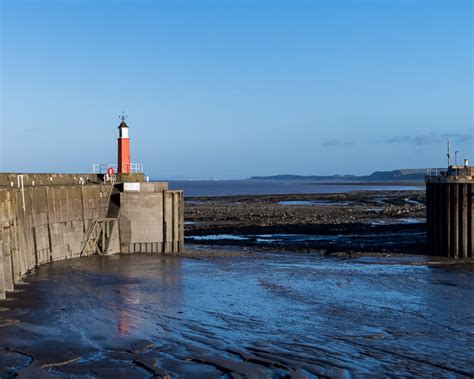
{"type": "Point", "coordinates": [385, 221]}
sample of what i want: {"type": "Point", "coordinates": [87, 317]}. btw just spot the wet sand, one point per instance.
{"type": "Point", "coordinates": [225, 314]}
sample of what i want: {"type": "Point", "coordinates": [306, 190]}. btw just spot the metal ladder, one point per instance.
{"type": "Point", "coordinates": [88, 238]}
{"type": "Point", "coordinates": [97, 227]}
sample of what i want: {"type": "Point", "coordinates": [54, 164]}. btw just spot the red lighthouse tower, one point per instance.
{"type": "Point", "coordinates": [124, 166]}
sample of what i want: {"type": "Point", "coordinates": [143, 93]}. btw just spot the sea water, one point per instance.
{"type": "Point", "coordinates": [262, 187]}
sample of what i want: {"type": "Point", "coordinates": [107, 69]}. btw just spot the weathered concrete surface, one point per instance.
{"type": "Point", "coordinates": [2, 275]}
{"type": "Point", "coordinates": [151, 220]}
{"type": "Point", "coordinates": [11, 179]}
{"type": "Point", "coordinates": [49, 223]}
{"type": "Point", "coordinates": [45, 224]}
{"type": "Point", "coordinates": [50, 179]}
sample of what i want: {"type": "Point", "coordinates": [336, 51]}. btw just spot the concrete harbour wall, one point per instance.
{"type": "Point", "coordinates": [46, 223]}
{"type": "Point", "coordinates": [151, 222]}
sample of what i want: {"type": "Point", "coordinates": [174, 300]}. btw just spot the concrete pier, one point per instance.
{"type": "Point", "coordinates": [449, 211]}
{"type": "Point", "coordinates": [151, 218]}
{"type": "Point", "coordinates": [52, 217]}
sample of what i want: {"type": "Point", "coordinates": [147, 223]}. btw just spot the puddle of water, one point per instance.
{"type": "Point", "coordinates": [362, 239]}
{"type": "Point", "coordinates": [218, 237]}
{"type": "Point", "coordinates": [406, 221]}
{"type": "Point", "coordinates": [193, 202]}
{"type": "Point", "coordinates": [282, 237]}
{"type": "Point", "coordinates": [311, 202]}
{"type": "Point", "coordinates": [414, 202]}
{"type": "Point", "coordinates": [343, 238]}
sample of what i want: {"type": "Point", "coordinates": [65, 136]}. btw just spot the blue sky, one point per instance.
{"type": "Point", "coordinates": [234, 88]}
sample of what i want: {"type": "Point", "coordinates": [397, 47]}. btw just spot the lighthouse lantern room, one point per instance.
{"type": "Point", "coordinates": [124, 166]}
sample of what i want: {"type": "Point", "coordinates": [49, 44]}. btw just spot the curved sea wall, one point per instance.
{"type": "Point", "coordinates": [50, 225]}
{"type": "Point", "coordinates": [45, 223]}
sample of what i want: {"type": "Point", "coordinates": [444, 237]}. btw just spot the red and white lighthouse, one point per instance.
{"type": "Point", "coordinates": [124, 166]}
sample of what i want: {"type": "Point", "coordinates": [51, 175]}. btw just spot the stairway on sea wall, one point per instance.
{"type": "Point", "coordinates": [44, 223]}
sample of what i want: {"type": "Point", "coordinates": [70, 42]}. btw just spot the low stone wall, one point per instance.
{"type": "Point", "coordinates": [43, 224]}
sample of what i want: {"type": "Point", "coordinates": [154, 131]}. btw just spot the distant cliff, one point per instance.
{"type": "Point", "coordinates": [377, 176]}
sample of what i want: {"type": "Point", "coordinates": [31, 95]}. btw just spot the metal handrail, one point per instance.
{"type": "Point", "coordinates": [451, 171]}
{"type": "Point", "coordinates": [433, 172]}
{"type": "Point", "coordinates": [102, 168]}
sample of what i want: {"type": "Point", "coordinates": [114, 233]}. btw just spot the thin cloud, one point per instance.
{"type": "Point", "coordinates": [336, 143]}
{"type": "Point", "coordinates": [419, 140]}
{"type": "Point", "coordinates": [429, 139]}
{"type": "Point", "coordinates": [459, 137]}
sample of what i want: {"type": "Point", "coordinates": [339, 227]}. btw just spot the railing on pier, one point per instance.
{"type": "Point", "coordinates": [434, 172]}
{"type": "Point", "coordinates": [451, 171]}
{"type": "Point", "coordinates": [132, 168]}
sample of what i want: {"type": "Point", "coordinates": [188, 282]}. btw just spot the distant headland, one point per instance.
{"type": "Point", "coordinates": [417, 175]}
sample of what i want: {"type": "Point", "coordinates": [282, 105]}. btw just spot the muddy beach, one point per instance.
{"type": "Point", "coordinates": [361, 221]}
{"type": "Point", "coordinates": [230, 315]}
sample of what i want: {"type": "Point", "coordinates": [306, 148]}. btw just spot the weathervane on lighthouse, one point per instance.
{"type": "Point", "coordinates": [124, 166]}
{"type": "Point", "coordinates": [123, 116]}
